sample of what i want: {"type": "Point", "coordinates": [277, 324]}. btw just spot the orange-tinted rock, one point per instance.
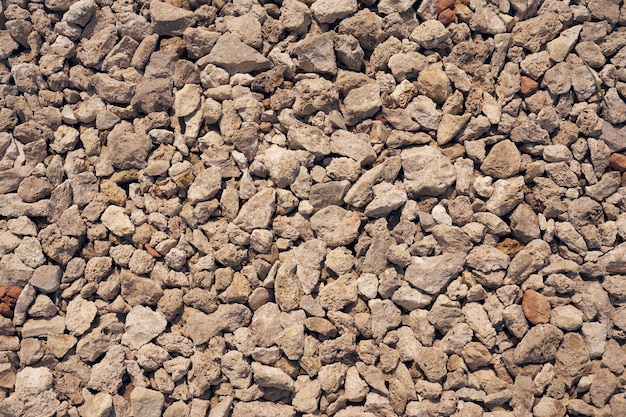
{"type": "Point", "coordinates": [447, 16]}
{"type": "Point", "coordinates": [536, 307]}
{"type": "Point", "coordinates": [618, 162]}
{"type": "Point", "coordinates": [528, 85]}
{"type": "Point", "coordinates": [444, 4]}
{"type": "Point", "coordinates": [8, 298]}
{"type": "Point", "coordinates": [510, 246]}
{"type": "Point", "coordinates": [265, 127]}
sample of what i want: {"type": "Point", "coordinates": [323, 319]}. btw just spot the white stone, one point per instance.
{"type": "Point", "coordinates": [142, 325]}
{"type": "Point", "coordinates": [115, 219]}
{"type": "Point", "coordinates": [79, 315]}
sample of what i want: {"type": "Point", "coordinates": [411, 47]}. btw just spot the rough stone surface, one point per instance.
{"type": "Point", "coordinates": [427, 171]}
{"type": "Point", "coordinates": [312, 208]}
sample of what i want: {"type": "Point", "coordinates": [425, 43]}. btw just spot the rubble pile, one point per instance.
{"type": "Point", "coordinates": [312, 208]}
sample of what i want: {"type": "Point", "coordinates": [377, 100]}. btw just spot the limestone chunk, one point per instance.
{"type": "Point", "coordinates": [170, 20]}
{"type": "Point", "coordinates": [230, 53]}
{"type": "Point", "coordinates": [427, 172]}
{"type": "Point", "coordinates": [329, 11]}
{"type": "Point", "coordinates": [361, 102]}
{"type": "Point", "coordinates": [432, 274]}
{"type": "Point", "coordinates": [326, 221]}
{"type": "Point", "coordinates": [257, 212]}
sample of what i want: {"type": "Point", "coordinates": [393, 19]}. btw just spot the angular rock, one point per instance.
{"type": "Point", "coordinates": [324, 223]}
{"type": "Point", "coordinates": [503, 161]}
{"type": "Point", "coordinates": [257, 212]}
{"type": "Point", "coordinates": [536, 307]}
{"type": "Point", "coordinates": [507, 194]}
{"type": "Point", "coordinates": [146, 402]}
{"type": "Point", "coordinates": [329, 11]}
{"type": "Point", "coordinates": [427, 172]}
{"type": "Point", "coordinates": [116, 220]}
{"type": "Point", "coordinates": [202, 327]}
{"type": "Point", "coordinates": [230, 53]}
{"type": "Point", "coordinates": [169, 20]}
{"type": "Point", "coordinates": [431, 274]}
{"type": "Point", "coordinates": [106, 375]}
{"type": "Point", "coordinates": [539, 345]}
{"type": "Point", "coordinates": [532, 33]}
{"type": "Point", "coordinates": [529, 260]}
{"type": "Point", "coordinates": [316, 53]}
{"type": "Point", "coordinates": [262, 409]}
{"type": "Point", "coordinates": [361, 102]}
{"type": "Point", "coordinates": [79, 315]}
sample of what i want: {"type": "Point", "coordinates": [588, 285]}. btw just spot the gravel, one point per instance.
{"type": "Point", "coordinates": [312, 208]}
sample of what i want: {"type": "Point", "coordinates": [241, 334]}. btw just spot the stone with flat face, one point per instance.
{"type": "Point", "coordinates": [230, 53]}
{"type": "Point", "coordinates": [336, 226]}
{"type": "Point", "coordinates": [427, 172]}
{"type": "Point", "coordinates": [431, 274]}
{"type": "Point", "coordinates": [257, 212]}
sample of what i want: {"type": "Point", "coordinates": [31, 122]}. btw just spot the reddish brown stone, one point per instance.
{"type": "Point", "coordinates": [152, 251]}
{"type": "Point", "coordinates": [536, 307]}
{"type": "Point", "coordinates": [265, 127]}
{"type": "Point", "coordinates": [443, 5]}
{"type": "Point", "coordinates": [8, 298]}
{"type": "Point", "coordinates": [528, 85]}
{"type": "Point", "coordinates": [618, 162]}
{"type": "Point", "coordinates": [447, 16]}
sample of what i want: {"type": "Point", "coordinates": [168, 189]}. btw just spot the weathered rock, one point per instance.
{"type": "Point", "coordinates": [106, 375]}
{"type": "Point", "coordinates": [434, 83]}
{"type": "Point", "coordinates": [139, 291]}
{"type": "Point", "coordinates": [338, 294]}
{"type": "Point", "coordinates": [316, 54]}
{"type": "Point", "coordinates": [202, 327]}
{"type": "Point", "coordinates": [529, 260]}
{"type": "Point", "coordinates": [262, 409]}
{"type": "Point", "coordinates": [310, 138]}
{"type": "Point", "coordinates": [361, 102]}
{"type": "Point", "coordinates": [128, 149]}
{"type": "Point", "coordinates": [427, 172]}
{"type": "Point", "coordinates": [431, 34]}
{"type": "Point", "coordinates": [361, 192]}
{"type": "Point", "coordinates": [8, 298]}
{"type": "Point", "coordinates": [432, 274]}
{"type": "Point", "coordinates": [230, 53]}
{"type": "Point", "coordinates": [539, 345]}
{"type": "Point", "coordinates": [355, 146]}
{"type": "Point", "coordinates": [146, 402]}
{"type": "Point", "coordinates": [79, 316]}
{"type": "Point", "coordinates": [142, 325]}
{"type": "Point", "coordinates": [503, 161]}
{"type": "Point", "coordinates": [324, 223]}
{"type": "Point", "coordinates": [327, 11]}
{"type": "Point", "coordinates": [116, 220]}
{"type": "Point", "coordinates": [385, 316]}
{"type": "Point", "coordinates": [270, 377]}
{"type": "Point", "coordinates": [507, 194]}
{"type": "Point", "coordinates": [257, 212]}
{"type": "Point", "coordinates": [531, 34]}
{"type": "Point", "coordinates": [170, 20]}
{"type": "Point", "coordinates": [153, 95]}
